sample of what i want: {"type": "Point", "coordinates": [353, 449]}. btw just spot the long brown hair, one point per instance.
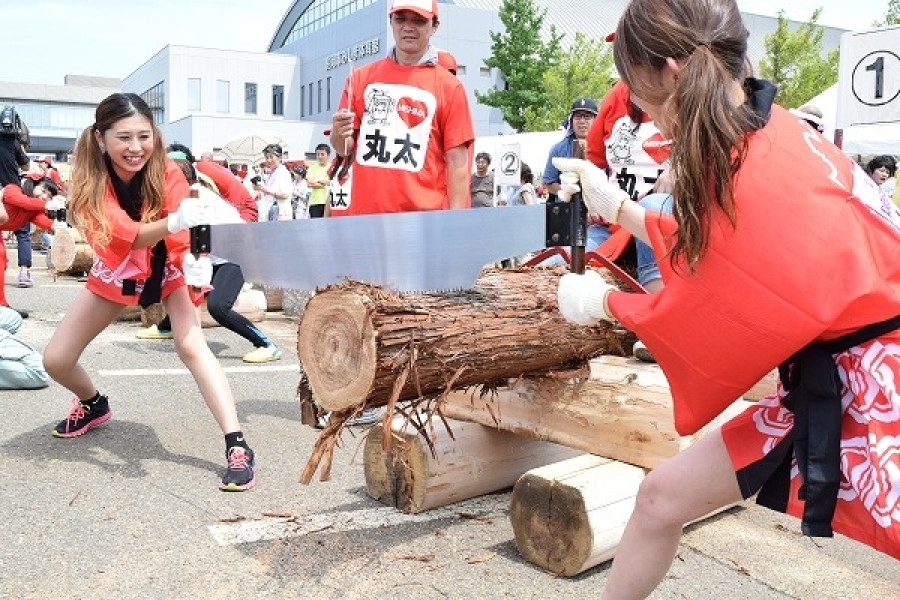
{"type": "Point", "coordinates": [90, 179]}
{"type": "Point", "coordinates": [707, 127]}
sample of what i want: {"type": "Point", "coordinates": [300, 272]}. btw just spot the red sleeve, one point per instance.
{"type": "Point", "coordinates": [458, 129]}
{"type": "Point", "coordinates": [42, 221]}
{"type": "Point", "coordinates": [14, 196]}
{"type": "Point", "coordinates": [123, 232]}
{"type": "Point", "coordinates": [231, 189]}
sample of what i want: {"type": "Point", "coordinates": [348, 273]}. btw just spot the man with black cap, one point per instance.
{"type": "Point", "coordinates": [583, 112]}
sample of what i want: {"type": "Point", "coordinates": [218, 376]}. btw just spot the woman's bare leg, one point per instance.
{"type": "Point", "coordinates": [199, 359]}
{"type": "Point", "coordinates": [691, 484]}
{"type": "Point", "coordinates": [88, 316]}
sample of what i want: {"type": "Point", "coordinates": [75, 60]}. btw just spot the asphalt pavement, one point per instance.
{"type": "Point", "coordinates": [132, 510]}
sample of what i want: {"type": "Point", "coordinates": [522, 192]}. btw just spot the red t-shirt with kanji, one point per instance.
{"type": "Point", "coordinates": [406, 120]}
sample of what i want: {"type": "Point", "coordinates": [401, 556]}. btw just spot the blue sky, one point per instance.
{"type": "Point", "coordinates": [49, 38]}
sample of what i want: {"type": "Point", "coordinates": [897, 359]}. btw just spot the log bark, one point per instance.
{"type": "Point", "coordinates": [70, 253]}
{"type": "Point", "coordinates": [619, 408]}
{"type": "Point", "coordinates": [476, 460]}
{"type": "Point", "coordinates": [361, 344]}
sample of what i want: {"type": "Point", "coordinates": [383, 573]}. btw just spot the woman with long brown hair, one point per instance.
{"type": "Point", "coordinates": [780, 252]}
{"type": "Point", "coordinates": [131, 202]}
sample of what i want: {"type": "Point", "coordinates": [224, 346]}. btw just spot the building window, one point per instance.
{"type": "Point", "coordinates": [321, 13]}
{"type": "Point", "coordinates": [310, 99]}
{"type": "Point", "coordinates": [302, 100]}
{"type": "Point", "coordinates": [485, 72]}
{"type": "Point", "coordinates": [155, 98]}
{"type": "Point", "coordinates": [460, 70]}
{"type": "Point", "coordinates": [319, 98]}
{"type": "Point", "coordinates": [328, 94]}
{"type": "Point", "coordinates": [193, 94]}
{"type": "Point", "coordinates": [223, 93]}
{"type": "Point", "coordinates": [250, 98]}
{"type": "Point", "coordinates": [278, 100]}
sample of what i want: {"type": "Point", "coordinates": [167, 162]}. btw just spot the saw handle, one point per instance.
{"type": "Point", "coordinates": [200, 237]}
{"type": "Point", "coordinates": [578, 232]}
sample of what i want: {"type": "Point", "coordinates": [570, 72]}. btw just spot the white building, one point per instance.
{"type": "Point", "coordinates": [204, 98]}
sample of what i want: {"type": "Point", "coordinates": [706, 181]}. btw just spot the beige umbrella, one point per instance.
{"type": "Point", "coordinates": [248, 148]}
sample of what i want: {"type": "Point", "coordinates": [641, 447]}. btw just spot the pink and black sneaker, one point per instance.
{"type": "Point", "coordinates": [82, 417]}
{"type": "Point", "coordinates": [241, 473]}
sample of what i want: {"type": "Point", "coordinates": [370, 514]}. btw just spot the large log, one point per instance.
{"type": "Point", "coordinates": [70, 253]}
{"type": "Point", "coordinates": [363, 345]}
{"type": "Point", "coordinates": [619, 408]}
{"type": "Point", "coordinates": [476, 460]}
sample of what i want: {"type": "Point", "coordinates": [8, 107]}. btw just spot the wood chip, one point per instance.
{"type": "Point", "coordinates": [482, 558]}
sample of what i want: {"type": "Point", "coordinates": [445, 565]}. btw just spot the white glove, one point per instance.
{"type": "Point", "coordinates": [197, 271]}
{"type": "Point", "coordinates": [193, 211]}
{"type": "Point", "coordinates": [602, 198]}
{"type": "Point", "coordinates": [582, 298]}
{"type": "Point", "coordinates": [55, 203]}
{"type": "Point", "coordinates": [59, 226]}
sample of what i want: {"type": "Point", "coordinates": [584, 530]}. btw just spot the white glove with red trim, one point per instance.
{"type": "Point", "coordinates": [582, 298]}
{"type": "Point", "coordinates": [198, 272]}
{"type": "Point", "coordinates": [602, 198]}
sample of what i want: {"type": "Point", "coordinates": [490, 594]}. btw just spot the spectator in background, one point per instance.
{"type": "Point", "coordinates": [45, 165]}
{"type": "Point", "coordinates": [43, 188]}
{"type": "Point", "coordinates": [574, 144]}
{"type": "Point", "coordinates": [318, 180]}
{"type": "Point", "coordinates": [405, 122]}
{"type": "Point", "coordinates": [525, 194]}
{"type": "Point", "coordinates": [276, 187]}
{"type": "Point", "coordinates": [12, 160]}
{"type": "Point", "coordinates": [481, 183]}
{"type": "Point", "coordinates": [882, 169]}
{"type": "Point", "coordinates": [300, 195]}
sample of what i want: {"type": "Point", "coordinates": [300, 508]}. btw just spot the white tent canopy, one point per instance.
{"type": "Point", "coordinates": [858, 139]}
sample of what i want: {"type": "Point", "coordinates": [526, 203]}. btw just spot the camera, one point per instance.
{"type": "Point", "coordinates": [256, 180]}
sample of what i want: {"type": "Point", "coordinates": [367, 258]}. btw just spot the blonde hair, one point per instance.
{"type": "Point", "coordinates": [708, 131]}
{"type": "Point", "coordinates": [90, 179]}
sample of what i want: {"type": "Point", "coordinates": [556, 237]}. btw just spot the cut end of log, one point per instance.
{"type": "Point", "coordinates": [337, 344]}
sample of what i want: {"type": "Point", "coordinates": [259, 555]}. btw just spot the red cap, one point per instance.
{"type": "Point", "coordinates": [446, 60]}
{"type": "Point", "coordinates": [423, 8]}
{"type": "Point", "coordinates": [47, 160]}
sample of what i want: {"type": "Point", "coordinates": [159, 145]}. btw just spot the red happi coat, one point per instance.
{"type": "Point", "coordinates": [117, 260]}
{"type": "Point", "coordinates": [815, 255]}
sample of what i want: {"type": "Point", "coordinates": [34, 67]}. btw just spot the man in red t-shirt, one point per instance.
{"type": "Point", "coordinates": [406, 123]}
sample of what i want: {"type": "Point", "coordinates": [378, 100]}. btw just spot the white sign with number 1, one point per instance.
{"type": "Point", "coordinates": [869, 78]}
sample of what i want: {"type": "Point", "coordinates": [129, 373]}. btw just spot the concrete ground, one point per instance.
{"type": "Point", "coordinates": [132, 510]}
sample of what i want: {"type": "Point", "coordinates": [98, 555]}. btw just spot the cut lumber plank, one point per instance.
{"type": "Point", "coordinates": [357, 341]}
{"type": "Point", "coordinates": [622, 409]}
{"type": "Point", "coordinates": [477, 460]}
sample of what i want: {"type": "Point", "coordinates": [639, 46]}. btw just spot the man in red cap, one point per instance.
{"type": "Point", "coordinates": [405, 123]}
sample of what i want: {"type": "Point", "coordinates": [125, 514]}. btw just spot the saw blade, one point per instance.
{"type": "Point", "coordinates": [406, 252]}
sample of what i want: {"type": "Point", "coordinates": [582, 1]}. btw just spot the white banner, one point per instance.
{"type": "Point", "coordinates": [869, 78]}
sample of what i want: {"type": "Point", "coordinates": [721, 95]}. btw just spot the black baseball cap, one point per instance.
{"type": "Point", "coordinates": [585, 104]}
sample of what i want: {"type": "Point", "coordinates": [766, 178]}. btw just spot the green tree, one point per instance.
{"type": "Point", "coordinates": [585, 70]}
{"type": "Point", "coordinates": [892, 16]}
{"type": "Point", "coordinates": [522, 56]}
{"type": "Point", "coordinates": [794, 61]}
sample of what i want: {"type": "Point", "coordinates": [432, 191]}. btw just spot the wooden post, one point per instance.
{"type": "Point", "coordinates": [70, 252]}
{"type": "Point", "coordinates": [476, 461]}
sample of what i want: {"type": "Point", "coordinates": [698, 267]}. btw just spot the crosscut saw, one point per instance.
{"type": "Point", "coordinates": [430, 251]}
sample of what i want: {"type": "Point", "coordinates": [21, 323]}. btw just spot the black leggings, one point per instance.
{"type": "Point", "coordinates": [227, 281]}
{"type": "Point", "coordinates": [316, 211]}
